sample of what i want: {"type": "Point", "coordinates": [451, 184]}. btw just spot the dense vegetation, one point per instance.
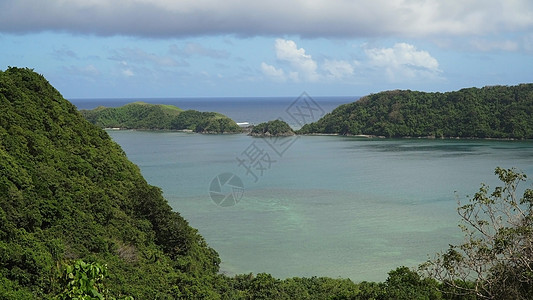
{"type": "Point", "coordinates": [140, 115]}
{"type": "Point", "coordinates": [489, 112]}
{"type": "Point", "coordinates": [67, 191]}
{"type": "Point", "coordinates": [272, 128]}
{"type": "Point", "coordinates": [78, 221]}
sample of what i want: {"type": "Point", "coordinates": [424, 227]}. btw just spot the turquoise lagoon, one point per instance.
{"type": "Point", "coordinates": [326, 205]}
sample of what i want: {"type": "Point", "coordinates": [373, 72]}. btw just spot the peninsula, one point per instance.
{"type": "Point", "coordinates": [491, 112]}
{"type": "Point", "coordinates": [141, 115]}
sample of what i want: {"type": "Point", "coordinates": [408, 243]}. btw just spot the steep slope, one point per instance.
{"type": "Point", "coordinates": [67, 191]}
{"type": "Point", "coordinates": [489, 112]}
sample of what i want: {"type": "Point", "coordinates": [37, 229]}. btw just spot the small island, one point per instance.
{"type": "Point", "coordinates": [146, 116]}
{"type": "Point", "coordinates": [272, 129]}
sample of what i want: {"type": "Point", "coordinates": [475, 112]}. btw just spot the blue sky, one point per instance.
{"type": "Point", "coordinates": [208, 48]}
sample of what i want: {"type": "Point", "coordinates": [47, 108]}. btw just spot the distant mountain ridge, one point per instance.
{"type": "Point", "coordinates": [141, 115]}
{"type": "Point", "coordinates": [489, 112]}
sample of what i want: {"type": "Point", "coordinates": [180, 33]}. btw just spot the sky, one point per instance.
{"type": "Point", "coordinates": [248, 48]}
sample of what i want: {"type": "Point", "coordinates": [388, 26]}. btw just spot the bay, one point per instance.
{"type": "Point", "coordinates": [316, 205]}
{"type": "Point", "coordinates": [328, 205]}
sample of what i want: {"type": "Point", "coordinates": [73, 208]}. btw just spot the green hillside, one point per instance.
{"type": "Point", "coordinates": [489, 112]}
{"type": "Point", "coordinates": [141, 115]}
{"type": "Point", "coordinates": [68, 192]}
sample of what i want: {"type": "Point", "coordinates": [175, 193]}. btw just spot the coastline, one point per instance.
{"type": "Point", "coordinates": [369, 136]}
{"type": "Point", "coordinates": [365, 136]}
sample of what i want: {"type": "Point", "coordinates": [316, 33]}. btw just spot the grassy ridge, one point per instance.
{"type": "Point", "coordinates": [141, 115]}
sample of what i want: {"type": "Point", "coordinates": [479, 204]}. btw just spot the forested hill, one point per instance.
{"type": "Point", "coordinates": [68, 192]}
{"type": "Point", "coordinates": [489, 112]}
{"type": "Point", "coordinates": [140, 115]}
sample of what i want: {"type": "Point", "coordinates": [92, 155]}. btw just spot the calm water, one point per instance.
{"type": "Point", "coordinates": [316, 205]}
{"type": "Point", "coordinates": [327, 206]}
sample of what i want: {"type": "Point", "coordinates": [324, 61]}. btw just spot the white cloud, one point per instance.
{"type": "Point", "coordinates": [128, 73]}
{"type": "Point", "coordinates": [90, 70]}
{"type": "Point", "coordinates": [403, 61]}
{"type": "Point", "coordinates": [338, 69]}
{"type": "Point", "coordinates": [298, 65]}
{"type": "Point", "coordinates": [303, 64]}
{"type": "Point", "coordinates": [272, 72]}
{"type": "Point", "coordinates": [326, 18]}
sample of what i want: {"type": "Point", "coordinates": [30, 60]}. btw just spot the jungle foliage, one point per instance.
{"type": "Point", "coordinates": [140, 115]}
{"type": "Point", "coordinates": [489, 112]}
{"type": "Point", "coordinates": [68, 192]}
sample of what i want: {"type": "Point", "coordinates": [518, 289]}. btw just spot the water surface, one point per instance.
{"type": "Point", "coordinates": [328, 205]}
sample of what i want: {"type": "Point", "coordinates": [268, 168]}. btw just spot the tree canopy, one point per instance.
{"type": "Point", "coordinates": [489, 112]}
{"type": "Point", "coordinates": [272, 128]}
{"type": "Point", "coordinates": [67, 191]}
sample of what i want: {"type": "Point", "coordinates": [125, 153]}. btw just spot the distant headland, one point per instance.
{"type": "Point", "coordinates": [141, 115]}
{"type": "Point", "coordinates": [501, 112]}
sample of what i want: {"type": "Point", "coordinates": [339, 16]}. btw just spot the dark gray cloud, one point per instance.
{"type": "Point", "coordinates": [318, 18]}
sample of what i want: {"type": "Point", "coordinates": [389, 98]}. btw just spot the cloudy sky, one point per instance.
{"type": "Point", "coordinates": [203, 48]}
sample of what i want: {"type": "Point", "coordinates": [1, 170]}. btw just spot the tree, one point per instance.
{"type": "Point", "coordinates": [403, 283]}
{"type": "Point", "coordinates": [496, 259]}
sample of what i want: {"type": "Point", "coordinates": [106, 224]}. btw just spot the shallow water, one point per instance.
{"type": "Point", "coordinates": [325, 205]}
